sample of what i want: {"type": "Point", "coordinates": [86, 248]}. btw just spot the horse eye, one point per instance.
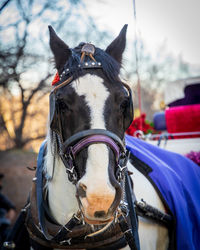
{"type": "Point", "coordinates": [62, 105]}
{"type": "Point", "coordinates": [123, 105]}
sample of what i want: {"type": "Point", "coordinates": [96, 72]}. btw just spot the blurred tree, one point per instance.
{"type": "Point", "coordinates": [25, 67]}
{"type": "Point", "coordinates": [3, 5]}
{"type": "Point", "coordinates": [155, 72]}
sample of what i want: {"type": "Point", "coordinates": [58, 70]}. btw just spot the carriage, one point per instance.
{"type": "Point", "coordinates": [179, 124]}
{"type": "Point", "coordinates": [96, 188]}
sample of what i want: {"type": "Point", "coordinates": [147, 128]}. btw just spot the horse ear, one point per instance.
{"type": "Point", "coordinates": [60, 50]}
{"type": "Point", "coordinates": [116, 48]}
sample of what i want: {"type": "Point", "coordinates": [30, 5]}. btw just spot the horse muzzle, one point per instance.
{"type": "Point", "coordinates": [98, 208]}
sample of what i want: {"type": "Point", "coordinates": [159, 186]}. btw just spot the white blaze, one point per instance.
{"type": "Point", "coordinates": [95, 94]}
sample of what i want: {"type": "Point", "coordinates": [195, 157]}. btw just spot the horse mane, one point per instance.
{"type": "Point", "coordinates": [110, 66]}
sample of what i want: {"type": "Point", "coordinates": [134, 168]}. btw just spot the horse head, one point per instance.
{"type": "Point", "coordinates": [90, 109]}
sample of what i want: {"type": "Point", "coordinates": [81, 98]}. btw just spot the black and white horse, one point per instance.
{"type": "Point", "coordinates": [81, 175]}
{"type": "Point", "coordinates": [95, 99]}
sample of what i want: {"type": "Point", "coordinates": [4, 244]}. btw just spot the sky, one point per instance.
{"type": "Point", "coordinates": [175, 23]}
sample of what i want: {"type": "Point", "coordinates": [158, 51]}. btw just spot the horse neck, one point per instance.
{"type": "Point", "coordinates": [61, 192]}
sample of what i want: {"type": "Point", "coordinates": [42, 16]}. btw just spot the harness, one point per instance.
{"type": "Point", "coordinates": [76, 234]}
{"type": "Point", "coordinates": [46, 231]}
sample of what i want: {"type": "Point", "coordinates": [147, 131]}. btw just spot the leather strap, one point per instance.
{"type": "Point", "coordinates": [62, 235]}
{"type": "Point", "coordinates": [85, 133]}
{"type": "Point", "coordinates": [127, 232]}
{"type": "Point", "coordinates": [63, 84]}
{"type": "Point", "coordinates": [93, 139]}
{"type": "Point", "coordinates": [130, 196]}
{"type": "Point", "coordinates": [147, 211]}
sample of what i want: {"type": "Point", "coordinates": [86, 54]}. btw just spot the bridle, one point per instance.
{"type": "Point", "coordinates": [69, 148]}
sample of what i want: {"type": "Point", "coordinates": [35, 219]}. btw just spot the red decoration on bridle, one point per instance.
{"type": "Point", "coordinates": [56, 79]}
{"type": "Point", "coordinates": [87, 50]}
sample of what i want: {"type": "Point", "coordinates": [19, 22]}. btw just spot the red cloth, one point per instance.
{"type": "Point", "coordinates": [56, 79]}
{"type": "Point", "coordinates": [140, 123]}
{"type": "Point", "coordinates": [183, 119]}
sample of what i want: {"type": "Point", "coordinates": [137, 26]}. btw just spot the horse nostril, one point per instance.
{"type": "Point", "coordinates": [81, 190]}
{"type": "Point", "coordinates": [99, 214]}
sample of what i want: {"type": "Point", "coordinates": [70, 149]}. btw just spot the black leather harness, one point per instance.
{"type": "Point", "coordinates": [46, 231]}
{"type": "Point", "coordinates": [43, 228]}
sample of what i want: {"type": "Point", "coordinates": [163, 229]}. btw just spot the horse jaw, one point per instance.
{"type": "Point", "coordinates": [61, 192]}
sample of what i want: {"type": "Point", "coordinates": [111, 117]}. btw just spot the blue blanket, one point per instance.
{"type": "Point", "coordinates": [178, 180]}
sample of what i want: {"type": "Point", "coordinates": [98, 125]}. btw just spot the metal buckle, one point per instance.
{"type": "Point", "coordinates": [124, 208]}
{"type": "Point", "coordinates": [121, 171]}
{"type": "Point", "coordinates": [70, 168]}
{"type": "Point", "coordinates": [24, 209]}
{"type": "Point", "coordinates": [88, 49]}
{"type": "Point", "coordinates": [66, 241]}
{"type": "Point", "coordinates": [122, 161]}
{"type": "Point", "coordinates": [141, 203]}
{"type": "Point", "coordinates": [77, 217]}
{"type": "Point", "coordinates": [68, 230]}
{"type": "Point", "coordinates": [72, 175]}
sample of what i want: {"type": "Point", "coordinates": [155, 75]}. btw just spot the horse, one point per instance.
{"type": "Point", "coordinates": [78, 195]}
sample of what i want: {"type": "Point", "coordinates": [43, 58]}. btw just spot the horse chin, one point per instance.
{"type": "Point", "coordinates": [99, 221]}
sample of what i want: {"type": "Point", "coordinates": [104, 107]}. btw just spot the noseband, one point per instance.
{"type": "Point", "coordinates": [73, 145]}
